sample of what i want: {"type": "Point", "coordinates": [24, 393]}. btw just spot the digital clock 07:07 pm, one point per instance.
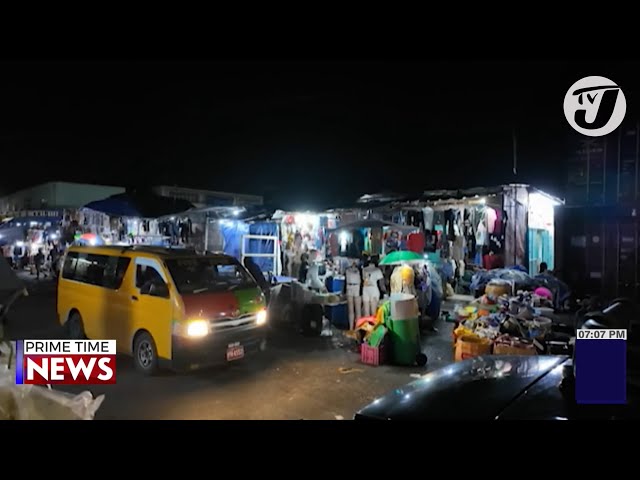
{"type": "Point", "coordinates": [601, 367]}
{"type": "Point", "coordinates": [604, 334]}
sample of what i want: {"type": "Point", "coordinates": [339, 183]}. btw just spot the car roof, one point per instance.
{"type": "Point", "coordinates": [479, 389]}
{"type": "Point", "coordinates": [132, 250]}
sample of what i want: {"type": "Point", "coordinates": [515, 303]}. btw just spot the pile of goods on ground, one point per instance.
{"type": "Point", "coordinates": [33, 402]}
{"type": "Point", "coordinates": [392, 335]}
{"type": "Point", "coordinates": [485, 282]}
{"type": "Point", "coordinates": [505, 325]}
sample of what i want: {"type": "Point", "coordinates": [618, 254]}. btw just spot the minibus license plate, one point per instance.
{"type": "Point", "coordinates": [235, 353]}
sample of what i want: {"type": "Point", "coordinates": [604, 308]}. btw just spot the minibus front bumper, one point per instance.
{"type": "Point", "coordinates": [218, 347]}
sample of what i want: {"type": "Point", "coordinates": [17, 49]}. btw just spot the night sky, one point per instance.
{"type": "Point", "coordinates": [303, 134]}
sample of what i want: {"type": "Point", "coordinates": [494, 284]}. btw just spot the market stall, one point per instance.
{"type": "Point", "coordinates": [463, 231]}
{"type": "Point", "coordinates": [302, 233]}
{"type": "Point", "coordinates": [132, 219]}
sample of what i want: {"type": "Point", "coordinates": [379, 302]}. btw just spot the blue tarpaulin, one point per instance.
{"type": "Point", "coordinates": [147, 205]}
{"type": "Point", "coordinates": [262, 245]}
{"type": "Point", "coordinates": [232, 233]}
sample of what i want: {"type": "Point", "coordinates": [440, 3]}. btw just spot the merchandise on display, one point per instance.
{"type": "Point", "coordinates": [403, 280]}
{"type": "Point", "coordinates": [371, 275]}
{"type": "Point", "coordinates": [313, 278]}
{"type": "Point", "coordinates": [503, 325]}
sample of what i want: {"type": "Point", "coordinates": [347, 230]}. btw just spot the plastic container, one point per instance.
{"type": "Point", "coordinates": [335, 284]}
{"type": "Point", "coordinates": [539, 328]}
{"type": "Point", "coordinates": [404, 329]}
{"type": "Point", "coordinates": [469, 347]}
{"type": "Point", "coordinates": [372, 355]}
{"type": "Point", "coordinates": [405, 340]}
{"type": "Point", "coordinates": [337, 314]}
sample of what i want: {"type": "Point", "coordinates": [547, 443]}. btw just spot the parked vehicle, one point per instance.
{"type": "Point", "coordinates": [167, 307]}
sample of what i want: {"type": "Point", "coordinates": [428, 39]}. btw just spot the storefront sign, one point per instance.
{"type": "Point", "coordinates": [39, 213]}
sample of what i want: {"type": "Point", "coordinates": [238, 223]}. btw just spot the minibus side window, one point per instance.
{"type": "Point", "coordinates": [99, 270]}
{"type": "Point", "coordinates": [90, 269]}
{"type": "Point", "coordinates": [69, 267]}
{"type": "Point", "coordinates": [146, 276]}
{"type": "Point", "coordinates": [114, 272]}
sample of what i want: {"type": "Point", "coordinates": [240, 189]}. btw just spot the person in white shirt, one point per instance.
{"type": "Point", "coordinates": [371, 275]}
{"type": "Point", "coordinates": [354, 300]}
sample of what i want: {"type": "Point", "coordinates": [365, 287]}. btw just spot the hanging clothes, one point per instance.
{"type": "Point", "coordinates": [356, 247]}
{"type": "Point", "coordinates": [482, 236]}
{"type": "Point", "coordinates": [428, 217]}
{"type": "Point", "coordinates": [415, 218]}
{"type": "Point", "coordinates": [392, 242]}
{"type": "Point", "coordinates": [449, 220]}
{"type": "Point", "coordinates": [490, 219]}
{"type": "Point", "coordinates": [416, 242]}
{"type": "Point", "coordinates": [334, 246]}
{"type": "Point", "coordinates": [497, 228]}
{"type": "Point", "coordinates": [457, 249]}
{"type": "Point", "coordinates": [367, 242]}
{"type": "Point", "coordinates": [469, 233]}
{"type": "Point", "coordinates": [458, 226]}
{"type": "Point", "coordinates": [376, 241]}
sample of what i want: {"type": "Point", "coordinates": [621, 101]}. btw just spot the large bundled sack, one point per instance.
{"type": "Point", "coordinates": [558, 288]}
{"type": "Point", "coordinates": [520, 280]}
{"type": "Point", "coordinates": [33, 402]}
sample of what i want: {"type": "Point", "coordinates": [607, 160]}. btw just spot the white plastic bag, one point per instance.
{"type": "Point", "coordinates": [33, 402]}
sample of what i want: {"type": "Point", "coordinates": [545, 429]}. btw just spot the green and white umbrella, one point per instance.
{"type": "Point", "coordinates": [400, 257]}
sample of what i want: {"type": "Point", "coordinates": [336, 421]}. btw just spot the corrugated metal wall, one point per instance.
{"type": "Point", "coordinates": [600, 250]}
{"type": "Point", "coordinates": [598, 229]}
{"type": "Point", "coordinates": [605, 171]}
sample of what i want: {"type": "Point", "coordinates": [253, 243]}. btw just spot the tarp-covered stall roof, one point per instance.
{"type": "Point", "coordinates": [245, 213]}
{"type": "Point", "coordinates": [147, 205]}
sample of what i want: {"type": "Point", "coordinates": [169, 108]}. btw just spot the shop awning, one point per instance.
{"type": "Point", "coordinates": [146, 205]}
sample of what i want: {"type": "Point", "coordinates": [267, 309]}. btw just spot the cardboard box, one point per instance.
{"type": "Point", "coordinates": [469, 347]}
{"type": "Point", "coordinates": [520, 349]}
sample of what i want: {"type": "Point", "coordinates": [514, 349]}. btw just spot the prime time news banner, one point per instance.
{"type": "Point", "coordinates": [66, 362]}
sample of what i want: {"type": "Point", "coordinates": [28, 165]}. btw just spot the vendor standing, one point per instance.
{"type": "Point", "coordinates": [54, 256]}
{"type": "Point", "coordinates": [304, 268]}
{"type": "Point", "coordinates": [39, 263]}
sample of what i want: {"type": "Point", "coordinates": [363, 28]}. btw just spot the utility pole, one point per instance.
{"type": "Point", "coordinates": [515, 153]}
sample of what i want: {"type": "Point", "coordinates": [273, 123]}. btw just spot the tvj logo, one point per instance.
{"type": "Point", "coordinates": [595, 106]}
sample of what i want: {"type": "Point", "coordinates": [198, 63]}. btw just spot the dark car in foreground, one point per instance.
{"type": "Point", "coordinates": [496, 388]}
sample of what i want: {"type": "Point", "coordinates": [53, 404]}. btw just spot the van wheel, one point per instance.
{"type": "Point", "coordinates": [145, 355]}
{"type": "Point", "coordinates": [75, 327]}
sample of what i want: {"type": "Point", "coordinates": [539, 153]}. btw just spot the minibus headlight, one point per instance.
{"type": "Point", "coordinates": [261, 317]}
{"type": "Point", "coordinates": [197, 328]}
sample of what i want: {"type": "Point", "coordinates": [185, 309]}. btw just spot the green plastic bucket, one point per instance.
{"type": "Point", "coordinates": [404, 329]}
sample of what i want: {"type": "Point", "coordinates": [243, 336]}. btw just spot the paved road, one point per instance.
{"type": "Point", "coordinates": [297, 378]}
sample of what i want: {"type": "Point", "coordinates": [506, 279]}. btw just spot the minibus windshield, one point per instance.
{"type": "Point", "coordinates": [208, 274]}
